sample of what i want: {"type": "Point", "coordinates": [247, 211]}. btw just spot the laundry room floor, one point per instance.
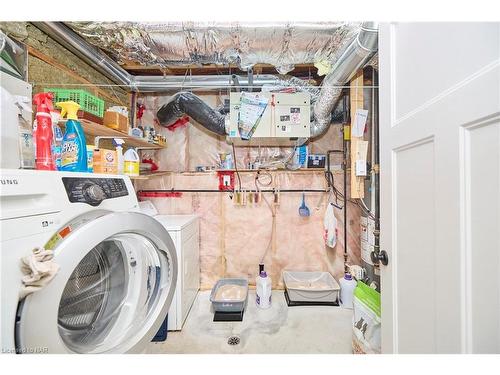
{"type": "Point", "coordinates": [278, 330]}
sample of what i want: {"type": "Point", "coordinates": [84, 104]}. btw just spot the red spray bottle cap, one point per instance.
{"type": "Point", "coordinates": [43, 102]}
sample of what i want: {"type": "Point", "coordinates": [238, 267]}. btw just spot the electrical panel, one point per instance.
{"type": "Point", "coordinates": [286, 118]}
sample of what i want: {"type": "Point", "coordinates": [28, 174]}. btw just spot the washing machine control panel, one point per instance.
{"type": "Point", "coordinates": [93, 191]}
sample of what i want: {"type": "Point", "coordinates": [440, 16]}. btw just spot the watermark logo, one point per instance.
{"type": "Point", "coordinates": [24, 350]}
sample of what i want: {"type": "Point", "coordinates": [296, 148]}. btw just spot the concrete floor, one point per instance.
{"type": "Point", "coordinates": [278, 330]}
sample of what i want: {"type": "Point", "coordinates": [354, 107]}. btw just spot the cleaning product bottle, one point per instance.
{"type": "Point", "coordinates": [263, 289]}
{"type": "Point", "coordinates": [43, 133]}
{"type": "Point", "coordinates": [26, 144]}
{"type": "Point", "coordinates": [74, 150]}
{"type": "Point", "coordinates": [90, 158]}
{"type": "Point", "coordinates": [131, 165]}
{"type": "Point", "coordinates": [347, 286]}
{"type": "Point", "coordinates": [119, 154]}
{"type": "Point", "coordinates": [58, 138]}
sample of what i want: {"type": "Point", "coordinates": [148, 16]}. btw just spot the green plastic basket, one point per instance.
{"type": "Point", "coordinates": [88, 102]}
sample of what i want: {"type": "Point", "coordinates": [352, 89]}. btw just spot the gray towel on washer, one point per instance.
{"type": "Point", "coordinates": [39, 269]}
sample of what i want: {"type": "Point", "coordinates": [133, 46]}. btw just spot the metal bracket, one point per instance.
{"type": "Point", "coordinates": [250, 79]}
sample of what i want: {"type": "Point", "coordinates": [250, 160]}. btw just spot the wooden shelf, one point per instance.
{"type": "Point", "coordinates": [146, 176]}
{"type": "Point", "coordinates": [93, 130]}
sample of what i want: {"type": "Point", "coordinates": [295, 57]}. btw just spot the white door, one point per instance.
{"type": "Point", "coordinates": [440, 187]}
{"type": "Point", "coordinates": [115, 284]}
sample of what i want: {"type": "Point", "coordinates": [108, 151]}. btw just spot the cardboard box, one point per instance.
{"type": "Point", "coordinates": [105, 161]}
{"type": "Point", "coordinates": [117, 121]}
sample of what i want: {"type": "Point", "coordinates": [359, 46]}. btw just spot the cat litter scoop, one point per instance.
{"type": "Point", "coordinates": [303, 209]}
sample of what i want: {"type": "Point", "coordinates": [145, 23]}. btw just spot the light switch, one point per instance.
{"type": "Point", "coordinates": [360, 167]}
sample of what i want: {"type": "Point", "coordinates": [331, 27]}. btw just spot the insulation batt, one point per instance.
{"type": "Point", "coordinates": [281, 44]}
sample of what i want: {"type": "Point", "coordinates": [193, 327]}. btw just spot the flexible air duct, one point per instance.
{"type": "Point", "coordinates": [191, 105]}
{"type": "Point", "coordinates": [355, 56]}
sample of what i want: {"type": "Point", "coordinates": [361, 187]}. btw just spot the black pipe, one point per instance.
{"type": "Point", "coordinates": [346, 118]}
{"type": "Point", "coordinates": [232, 191]}
{"type": "Point", "coordinates": [188, 103]}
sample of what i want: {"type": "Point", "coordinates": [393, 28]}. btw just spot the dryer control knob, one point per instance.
{"type": "Point", "coordinates": [94, 194]}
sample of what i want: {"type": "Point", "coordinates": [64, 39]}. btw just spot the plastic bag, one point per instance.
{"type": "Point", "coordinates": [366, 322]}
{"type": "Point", "coordinates": [330, 227]}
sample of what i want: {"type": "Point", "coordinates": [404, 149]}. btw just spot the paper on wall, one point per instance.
{"type": "Point", "coordinates": [358, 128]}
{"type": "Point", "coordinates": [252, 107]}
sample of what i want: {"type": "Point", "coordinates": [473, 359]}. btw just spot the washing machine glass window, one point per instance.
{"type": "Point", "coordinates": [118, 275]}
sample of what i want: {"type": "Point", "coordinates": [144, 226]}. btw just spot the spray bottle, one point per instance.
{"type": "Point", "coordinates": [43, 133]}
{"type": "Point", "coordinates": [118, 142]}
{"type": "Point", "coordinates": [73, 149]}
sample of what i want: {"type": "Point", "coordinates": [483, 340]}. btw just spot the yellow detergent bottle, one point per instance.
{"type": "Point", "coordinates": [131, 162]}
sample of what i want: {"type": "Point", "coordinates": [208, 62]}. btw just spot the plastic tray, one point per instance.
{"type": "Point", "coordinates": [311, 286]}
{"type": "Point", "coordinates": [229, 306]}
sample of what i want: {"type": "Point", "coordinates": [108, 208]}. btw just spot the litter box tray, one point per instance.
{"type": "Point", "coordinates": [312, 288]}
{"type": "Point", "coordinates": [231, 316]}
{"type": "Point", "coordinates": [308, 303]}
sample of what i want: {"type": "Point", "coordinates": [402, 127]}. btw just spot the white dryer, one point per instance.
{"type": "Point", "coordinates": [118, 267]}
{"type": "Point", "coordinates": [185, 232]}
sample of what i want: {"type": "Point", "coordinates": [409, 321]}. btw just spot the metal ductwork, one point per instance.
{"type": "Point", "coordinates": [206, 82]}
{"type": "Point", "coordinates": [109, 68]}
{"type": "Point", "coordinates": [188, 103]}
{"type": "Point", "coordinates": [88, 53]}
{"type": "Point", "coordinates": [281, 44]}
{"type": "Point", "coordinates": [354, 57]}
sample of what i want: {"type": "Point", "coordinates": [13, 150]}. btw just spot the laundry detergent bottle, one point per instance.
{"type": "Point", "coordinates": [347, 286]}
{"type": "Point", "coordinates": [131, 162]}
{"type": "Point", "coordinates": [43, 133]}
{"type": "Point", "coordinates": [263, 289]}
{"type": "Point", "coordinates": [73, 147]}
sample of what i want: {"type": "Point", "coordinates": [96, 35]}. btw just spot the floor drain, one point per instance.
{"type": "Point", "coordinates": [233, 340]}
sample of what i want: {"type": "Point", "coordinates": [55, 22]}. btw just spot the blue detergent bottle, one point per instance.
{"type": "Point", "coordinates": [73, 147]}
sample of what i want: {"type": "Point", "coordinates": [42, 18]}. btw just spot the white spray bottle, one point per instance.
{"type": "Point", "coordinates": [118, 142]}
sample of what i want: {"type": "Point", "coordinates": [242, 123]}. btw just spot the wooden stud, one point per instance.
{"type": "Point", "coordinates": [356, 98]}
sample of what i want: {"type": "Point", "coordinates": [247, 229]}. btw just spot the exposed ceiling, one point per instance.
{"type": "Point", "coordinates": [180, 48]}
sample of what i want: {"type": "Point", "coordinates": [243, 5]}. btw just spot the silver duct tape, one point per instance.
{"type": "Point", "coordinates": [179, 43]}
{"type": "Point", "coordinates": [286, 81]}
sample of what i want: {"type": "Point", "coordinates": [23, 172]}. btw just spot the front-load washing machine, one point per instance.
{"type": "Point", "coordinates": [118, 267]}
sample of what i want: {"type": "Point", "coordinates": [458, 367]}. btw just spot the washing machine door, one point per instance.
{"type": "Point", "coordinates": [112, 292]}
